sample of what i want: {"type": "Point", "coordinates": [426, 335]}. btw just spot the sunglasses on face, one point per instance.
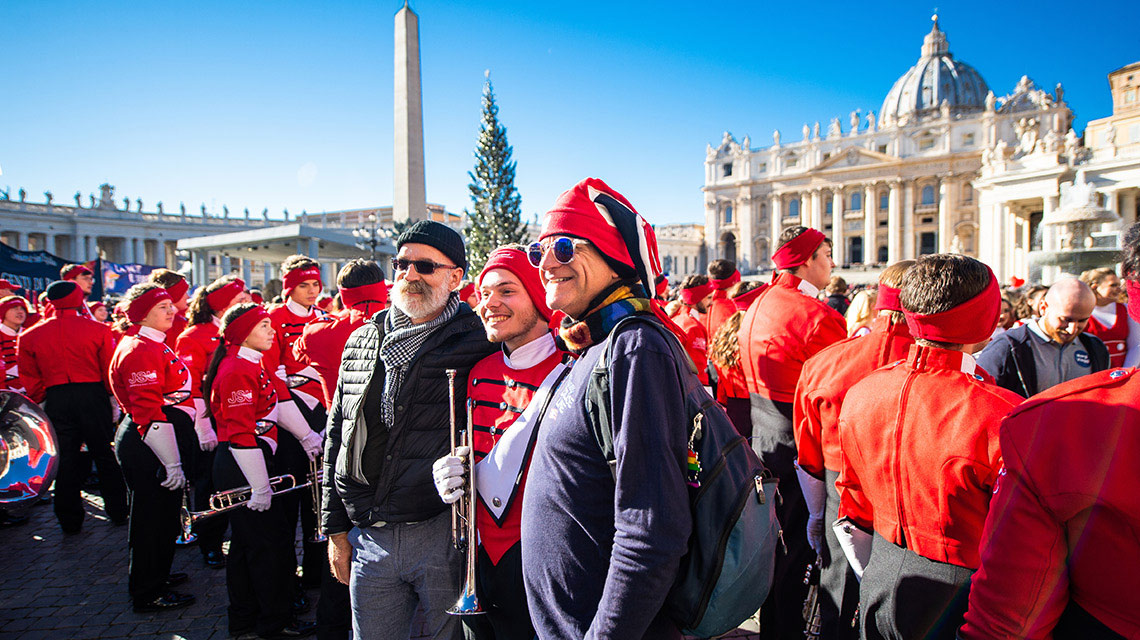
{"type": "Point", "coordinates": [564, 249]}
{"type": "Point", "coordinates": [423, 267]}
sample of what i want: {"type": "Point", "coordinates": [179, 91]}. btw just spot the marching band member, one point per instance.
{"type": "Point", "coordinates": [919, 456]}
{"type": "Point", "coordinates": [301, 402]}
{"type": "Point", "coordinates": [84, 278]}
{"type": "Point", "coordinates": [13, 313]}
{"type": "Point", "coordinates": [196, 346]}
{"type": "Point", "coordinates": [722, 275]}
{"type": "Point", "coordinates": [1110, 321]}
{"type": "Point", "coordinates": [509, 390]}
{"type": "Point", "coordinates": [153, 387]}
{"type": "Point", "coordinates": [177, 286]}
{"type": "Point", "coordinates": [1059, 557]}
{"type": "Point", "coordinates": [783, 327]}
{"type": "Point", "coordinates": [823, 383]}
{"type": "Point", "coordinates": [63, 364]}
{"type": "Point", "coordinates": [696, 295]}
{"type": "Point", "coordinates": [243, 402]}
{"type": "Point", "coordinates": [98, 311]}
{"type": "Point", "coordinates": [724, 353]}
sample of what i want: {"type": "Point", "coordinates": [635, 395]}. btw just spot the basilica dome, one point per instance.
{"type": "Point", "coordinates": [935, 78]}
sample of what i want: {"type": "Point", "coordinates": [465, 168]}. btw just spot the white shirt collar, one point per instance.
{"type": "Point", "coordinates": [152, 333]}
{"type": "Point", "coordinates": [253, 355]}
{"type": "Point", "coordinates": [530, 353]}
{"type": "Point", "coordinates": [968, 364]}
{"type": "Point", "coordinates": [694, 314]}
{"type": "Point", "coordinates": [296, 309]}
{"type": "Point", "coordinates": [8, 331]}
{"type": "Point", "coordinates": [808, 289]}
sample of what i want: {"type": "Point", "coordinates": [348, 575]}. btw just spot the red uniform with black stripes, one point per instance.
{"type": "Point", "coordinates": [44, 364]}
{"type": "Point", "coordinates": [322, 342]}
{"type": "Point", "coordinates": [243, 400]}
{"type": "Point", "coordinates": [500, 394]}
{"type": "Point", "coordinates": [301, 379]}
{"type": "Point", "coordinates": [175, 332]}
{"type": "Point", "coordinates": [9, 359]}
{"type": "Point", "coordinates": [147, 376]}
{"type": "Point", "coordinates": [1115, 338]}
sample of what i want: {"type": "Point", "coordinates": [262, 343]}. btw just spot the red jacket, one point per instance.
{"type": "Point", "coordinates": [9, 359]}
{"type": "Point", "coordinates": [65, 348]}
{"type": "Point", "coordinates": [1063, 522]}
{"type": "Point", "coordinates": [1115, 338]}
{"type": "Point", "coordinates": [779, 332]}
{"type": "Point", "coordinates": [175, 331]}
{"type": "Point", "coordinates": [824, 382]}
{"type": "Point", "coordinates": [501, 393]}
{"type": "Point", "coordinates": [695, 340]}
{"type": "Point", "coordinates": [196, 347]}
{"type": "Point", "coordinates": [720, 308]}
{"type": "Point", "coordinates": [920, 453]}
{"type": "Point", "coordinates": [146, 376]}
{"type": "Point", "coordinates": [322, 343]}
{"type": "Point", "coordinates": [302, 380]}
{"type": "Point", "coordinates": [243, 401]}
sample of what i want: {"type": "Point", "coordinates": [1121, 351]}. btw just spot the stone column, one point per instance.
{"type": "Point", "coordinates": [267, 273]}
{"type": "Point", "coordinates": [200, 264]}
{"type": "Point", "coordinates": [128, 250]}
{"type": "Point", "coordinates": [712, 227]}
{"type": "Point", "coordinates": [49, 242]}
{"type": "Point", "coordinates": [894, 224]}
{"type": "Point", "coordinates": [1128, 207]}
{"type": "Point", "coordinates": [745, 261]}
{"type": "Point", "coordinates": [816, 210]}
{"type": "Point", "coordinates": [1049, 242]}
{"type": "Point", "coordinates": [22, 240]}
{"type": "Point", "coordinates": [839, 243]}
{"type": "Point", "coordinates": [944, 228]}
{"type": "Point", "coordinates": [92, 251]}
{"type": "Point", "coordinates": [908, 221]}
{"type": "Point", "coordinates": [313, 249]}
{"type": "Point", "coordinates": [246, 271]}
{"type": "Point", "coordinates": [870, 224]}
{"type": "Point", "coordinates": [776, 222]}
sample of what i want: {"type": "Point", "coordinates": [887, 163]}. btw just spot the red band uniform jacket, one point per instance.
{"type": "Point", "coordinates": [300, 380]}
{"type": "Point", "coordinates": [196, 347]}
{"type": "Point", "coordinates": [1064, 520]}
{"type": "Point", "coordinates": [65, 348]}
{"type": "Point", "coordinates": [9, 358]}
{"type": "Point", "coordinates": [243, 400]}
{"type": "Point", "coordinates": [322, 341]}
{"type": "Point", "coordinates": [695, 339]}
{"type": "Point", "coordinates": [148, 378]}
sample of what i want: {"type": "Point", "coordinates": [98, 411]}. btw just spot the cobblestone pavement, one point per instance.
{"type": "Point", "coordinates": [73, 587]}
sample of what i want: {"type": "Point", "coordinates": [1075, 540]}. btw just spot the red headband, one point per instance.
{"type": "Point", "coordinates": [515, 261]}
{"type": "Point", "coordinates": [744, 300]}
{"type": "Point", "coordinates": [376, 292]}
{"type": "Point", "coordinates": [888, 299]}
{"type": "Point", "coordinates": [297, 276]}
{"type": "Point", "coordinates": [725, 283]}
{"type": "Point", "coordinates": [240, 327]}
{"type": "Point", "coordinates": [798, 250]}
{"type": "Point", "coordinates": [76, 271]}
{"type": "Point", "coordinates": [178, 289]}
{"type": "Point", "coordinates": [220, 299]}
{"type": "Point", "coordinates": [138, 308]}
{"type": "Point", "coordinates": [970, 322]}
{"type": "Point", "coordinates": [693, 295]}
{"type": "Point", "coordinates": [5, 284]}
{"type": "Point", "coordinates": [1133, 289]}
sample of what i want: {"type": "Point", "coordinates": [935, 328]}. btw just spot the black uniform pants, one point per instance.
{"type": "Point", "coordinates": [502, 594]}
{"type": "Point", "coordinates": [904, 595]}
{"type": "Point", "coordinates": [212, 530]}
{"type": "Point", "coordinates": [80, 412]}
{"type": "Point", "coordinates": [781, 616]}
{"type": "Point", "coordinates": [299, 504]}
{"type": "Point", "coordinates": [154, 520]}
{"type": "Point", "coordinates": [838, 585]}
{"type": "Point", "coordinates": [260, 565]}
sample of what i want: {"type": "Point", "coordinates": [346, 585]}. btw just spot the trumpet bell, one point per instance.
{"type": "Point", "coordinates": [466, 605]}
{"type": "Point", "coordinates": [29, 452]}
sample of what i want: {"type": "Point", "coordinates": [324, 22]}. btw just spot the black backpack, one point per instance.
{"type": "Point", "coordinates": [726, 573]}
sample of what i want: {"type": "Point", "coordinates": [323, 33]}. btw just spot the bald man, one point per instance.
{"type": "Point", "coordinates": [1052, 349]}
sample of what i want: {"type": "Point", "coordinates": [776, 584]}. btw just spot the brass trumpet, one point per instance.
{"type": "Point", "coordinates": [317, 474]}
{"type": "Point", "coordinates": [463, 510]}
{"type": "Point", "coordinates": [224, 501]}
{"type": "Point", "coordinates": [811, 604]}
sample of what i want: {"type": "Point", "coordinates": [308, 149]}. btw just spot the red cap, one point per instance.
{"type": "Point", "coordinates": [138, 308]}
{"type": "Point", "coordinates": [798, 250]}
{"type": "Point", "coordinates": [466, 290]}
{"type": "Point", "coordinates": [515, 261]}
{"type": "Point", "coordinates": [240, 327]}
{"type": "Point", "coordinates": [10, 302]}
{"type": "Point", "coordinates": [724, 283]}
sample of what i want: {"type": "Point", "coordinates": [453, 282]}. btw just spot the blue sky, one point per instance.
{"type": "Point", "coordinates": [289, 104]}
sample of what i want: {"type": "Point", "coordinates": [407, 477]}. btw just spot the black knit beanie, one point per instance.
{"type": "Point", "coordinates": [60, 289]}
{"type": "Point", "coordinates": [440, 236]}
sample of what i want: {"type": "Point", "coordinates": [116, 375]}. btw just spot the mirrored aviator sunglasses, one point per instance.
{"type": "Point", "coordinates": [563, 251]}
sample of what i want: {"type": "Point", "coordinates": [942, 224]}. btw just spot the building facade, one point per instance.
{"type": "Point", "coordinates": [928, 174]}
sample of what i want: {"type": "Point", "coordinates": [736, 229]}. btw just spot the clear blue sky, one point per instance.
{"type": "Point", "coordinates": [289, 104]}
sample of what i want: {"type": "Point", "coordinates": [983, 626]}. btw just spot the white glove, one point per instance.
{"type": "Point", "coordinates": [289, 418]}
{"type": "Point", "coordinates": [160, 438]}
{"type": "Point", "coordinates": [448, 475]}
{"type": "Point", "coordinates": [252, 465]}
{"type": "Point", "coordinates": [856, 544]}
{"type": "Point", "coordinates": [207, 439]}
{"type": "Point", "coordinates": [815, 495]}
{"type": "Point", "coordinates": [312, 444]}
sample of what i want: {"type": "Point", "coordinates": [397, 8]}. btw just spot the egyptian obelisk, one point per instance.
{"type": "Point", "coordinates": [409, 197]}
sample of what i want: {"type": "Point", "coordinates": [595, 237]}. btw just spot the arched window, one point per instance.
{"type": "Point", "coordinates": [884, 201]}
{"type": "Point", "coordinates": [856, 201]}
{"type": "Point", "coordinates": [728, 214]}
{"type": "Point", "coordinates": [928, 194]}
{"type": "Point", "coordinates": [827, 206]}
{"type": "Point", "coordinates": [967, 192]}
{"type": "Point", "coordinates": [794, 208]}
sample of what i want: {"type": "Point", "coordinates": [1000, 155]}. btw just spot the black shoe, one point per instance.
{"type": "Point", "coordinates": [70, 531]}
{"type": "Point", "coordinates": [301, 605]}
{"type": "Point", "coordinates": [176, 579]}
{"type": "Point", "coordinates": [214, 559]}
{"type": "Point", "coordinates": [168, 600]}
{"type": "Point", "coordinates": [295, 629]}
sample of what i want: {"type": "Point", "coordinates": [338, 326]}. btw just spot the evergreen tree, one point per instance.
{"type": "Point", "coordinates": [495, 217]}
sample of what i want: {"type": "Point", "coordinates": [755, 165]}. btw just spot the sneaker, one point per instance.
{"type": "Point", "coordinates": [295, 629]}
{"type": "Point", "coordinates": [214, 559]}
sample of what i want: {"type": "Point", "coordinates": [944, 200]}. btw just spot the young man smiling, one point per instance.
{"type": "Point", "coordinates": [509, 390]}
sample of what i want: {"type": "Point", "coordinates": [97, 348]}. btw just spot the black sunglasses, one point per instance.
{"type": "Point", "coordinates": [563, 251]}
{"type": "Point", "coordinates": [423, 267]}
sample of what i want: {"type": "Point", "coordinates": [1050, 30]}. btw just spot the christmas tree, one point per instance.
{"type": "Point", "coordinates": [495, 218]}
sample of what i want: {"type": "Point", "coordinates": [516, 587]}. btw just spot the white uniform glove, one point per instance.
{"type": "Point", "coordinates": [289, 418]}
{"type": "Point", "coordinates": [448, 475]}
{"type": "Point", "coordinates": [856, 544]}
{"type": "Point", "coordinates": [815, 494]}
{"type": "Point", "coordinates": [312, 444]}
{"type": "Point", "coordinates": [252, 465]}
{"type": "Point", "coordinates": [207, 439]}
{"type": "Point", "coordinates": [160, 438]}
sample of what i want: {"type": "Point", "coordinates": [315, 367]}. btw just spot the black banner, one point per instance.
{"type": "Point", "coordinates": [32, 271]}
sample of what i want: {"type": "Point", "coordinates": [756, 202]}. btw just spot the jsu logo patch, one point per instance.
{"type": "Point", "coordinates": [1082, 358]}
{"type": "Point", "coordinates": [240, 397]}
{"type": "Point", "coordinates": [139, 378]}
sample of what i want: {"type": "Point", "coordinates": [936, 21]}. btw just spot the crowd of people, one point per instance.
{"type": "Point", "coordinates": [956, 457]}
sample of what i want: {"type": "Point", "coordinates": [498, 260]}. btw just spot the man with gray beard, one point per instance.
{"type": "Point", "coordinates": [389, 533]}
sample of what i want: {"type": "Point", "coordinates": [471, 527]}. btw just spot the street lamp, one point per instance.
{"type": "Point", "coordinates": [369, 236]}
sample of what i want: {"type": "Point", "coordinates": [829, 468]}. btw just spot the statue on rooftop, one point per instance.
{"type": "Point", "coordinates": [159, 207]}
{"type": "Point", "coordinates": [78, 200]}
{"type": "Point", "coordinates": [48, 196]}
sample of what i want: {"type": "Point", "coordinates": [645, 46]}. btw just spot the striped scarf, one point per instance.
{"type": "Point", "coordinates": [402, 340]}
{"type": "Point", "coordinates": [621, 300]}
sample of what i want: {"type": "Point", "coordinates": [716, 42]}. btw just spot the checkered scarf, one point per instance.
{"type": "Point", "coordinates": [402, 340]}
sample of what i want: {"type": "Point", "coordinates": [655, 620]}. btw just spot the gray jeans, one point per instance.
{"type": "Point", "coordinates": [396, 567]}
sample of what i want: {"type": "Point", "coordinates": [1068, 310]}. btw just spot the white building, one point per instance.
{"type": "Point", "coordinates": [933, 172]}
